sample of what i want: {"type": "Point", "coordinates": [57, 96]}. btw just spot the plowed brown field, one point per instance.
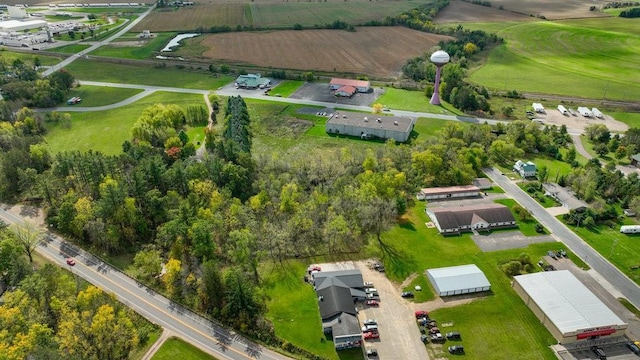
{"type": "Point", "coordinates": [460, 11]}
{"type": "Point", "coordinates": [374, 51]}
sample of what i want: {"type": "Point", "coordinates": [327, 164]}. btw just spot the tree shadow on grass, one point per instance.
{"type": "Point", "coordinates": [406, 224]}
{"type": "Point", "coordinates": [398, 263]}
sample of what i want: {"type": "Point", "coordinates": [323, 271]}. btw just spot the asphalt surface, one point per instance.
{"type": "Point", "coordinates": [597, 262]}
{"type": "Point", "coordinates": [206, 335]}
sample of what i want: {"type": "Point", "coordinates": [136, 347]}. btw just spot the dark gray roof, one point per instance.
{"type": "Point", "coordinates": [345, 324]}
{"type": "Point", "coordinates": [565, 196]}
{"type": "Point", "coordinates": [334, 300]}
{"type": "Point", "coordinates": [371, 121]}
{"type": "Point", "coordinates": [342, 278]}
{"type": "Point", "coordinates": [454, 217]}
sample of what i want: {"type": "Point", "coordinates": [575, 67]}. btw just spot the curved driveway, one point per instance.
{"type": "Point", "coordinates": [203, 333]}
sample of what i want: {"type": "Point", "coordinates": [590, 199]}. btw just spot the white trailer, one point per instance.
{"type": "Point", "coordinates": [537, 107]}
{"type": "Point", "coordinates": [630, 229]}
{"type": "Point", "coordinates": [584, 111]}
{"type": "Point", "coordinates": [597, 113]}
{"type": "Point", "coordinates": [563, 110]}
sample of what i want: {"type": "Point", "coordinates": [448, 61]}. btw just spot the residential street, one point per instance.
{"type": "Point", "coordinates": [615, 277]}
{"type": "Point", "coordinates": [210, 337]}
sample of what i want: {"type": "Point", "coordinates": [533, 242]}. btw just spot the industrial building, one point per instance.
{"type": "Point", "coordinates": [456, 219]}
{"type": "Point", "coordinates": [367, 126]}
{"type": "Point", "coordinates": [448, 192]}
{"type": "Point", "coordinates": [570, 311]}
{"type": "Point", "coordinates": [458, 280]}
{"type": "Point", "coordinates": [17, 25]}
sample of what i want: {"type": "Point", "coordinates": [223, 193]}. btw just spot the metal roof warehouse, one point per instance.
{"type": "Point", "coordinates": [457, 280]}
{"type": "Point", "coordinates": [370, 125]}
{"type": "Point", "coordinates": [570, 311]}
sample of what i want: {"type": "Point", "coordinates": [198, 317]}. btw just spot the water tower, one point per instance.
{"type": "Point", "coordinates": [439, 59]}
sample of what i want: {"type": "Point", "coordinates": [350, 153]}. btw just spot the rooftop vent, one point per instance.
{"type": "Point", "coordinates": [395, 123]}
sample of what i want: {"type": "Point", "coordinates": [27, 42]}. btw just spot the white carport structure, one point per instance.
{"type": "Point", "coordinates": [458, 280]}
{"type": "Point", "coordinates": [570, 311]}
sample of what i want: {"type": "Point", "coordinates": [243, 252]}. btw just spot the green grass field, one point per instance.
{"type": "Point", "coordinates": [424, 295]}
{"type": "Point", "coordinates": [592, 58]}
{"type": "Point", "coordinates": [528, 228]}
{"type": "Point", "coordinates": [128, 74]}
{"type": "Point", "coordinates": [135, 51]}
{"type": "Point", "coordinates": [88, 129]}
{"type": "Point", "coordinates": [631, 119]}
{"type": "Point", "coordinates": [100, 95]}
{"type": "Point", "coordinates": [9, 56]}
{"type": "Point", "coordinates": [70, 49]}
{"type": "Point", "coordinates": [399, 99]}
{"type": "Point", "coordinates": [174, 348]}
{"type": "Point", "coordinates": [286, 14]}
{"type": "Point", "coordinates": [620, 249]}
{"type": "Point", "coordinates": [287, 87]}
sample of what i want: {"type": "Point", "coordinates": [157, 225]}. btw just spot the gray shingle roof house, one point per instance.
{"type": "Point", "coordinates": [564, 197]}
{"type": "Point", "coordinates": [337, 293]}
{"type": "Point", "coordinates": [454, 220]}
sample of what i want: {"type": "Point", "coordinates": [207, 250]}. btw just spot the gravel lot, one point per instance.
{"type": "Point", "coordinates": [553, 117]}
{"type": "Point", "coordinates": [508, 240]}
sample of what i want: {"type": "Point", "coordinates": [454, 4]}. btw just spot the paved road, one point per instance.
{"type": "Point", "coordinates": [620, 281]}
{"type": "Point", "coordinates": [96, 45]}
{"type": "Point", "coordinates": [216, 340]}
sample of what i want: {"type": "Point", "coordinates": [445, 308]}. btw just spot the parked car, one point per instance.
{"type": "Point", "coordinates": [372, 352]}
{"type": "Point", "coordinates": [552, 254]}
{"type": "Point", "coordinates": [599, 352]}
{"type": "Point", "coordinates": [421, 314]}
{"type": "Point", "coordinates": [562, 253]}
{"type": "Point", "coordinates": [438, 338]}
{"type": "Point", "coordinates": [371, 290]}
{"type": "Point", "coordinates": [431, 324]}
{"type": "Point", "coordinates": [456, 349]}
{"type": "Point", "coordinates": [370, 328]}
{"type": "Point", "coordinates": [373, 303]}
{"type": "Point", "coordinates": [371, 335]}
{"type": "Point", "coordinates": [372, 296]}
{"type": "Point", "coordinates": [368, 284]}
{"type": "Point", "coordinates": [407, 294]}
{"type": "Point", "coordinates": [454, 335]}
{"type": "Point", "coordinates": [370, 322]}
{"type": "Point", "coordinates": [434, 330]}
{"type": "Point", "coordinates": [424, 338]}
{"type": "Point", "coordinates": [634, 348]}
{"type": "Point", "coordinates": [71, 262]}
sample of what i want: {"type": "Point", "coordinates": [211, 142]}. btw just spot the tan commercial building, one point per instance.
{"type": "Point", "coordinates": [570, 311]}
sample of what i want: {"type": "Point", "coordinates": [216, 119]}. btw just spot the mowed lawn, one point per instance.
{"type": "Point", "coordinates": [592, 58]}
{"type": "Point", "coordinates": [174, 349]}
{"type": "Point", "coordinates": [9, 57]}
{"type": "Point", "coordinates": [142, 75]}
{"type": "Point", "coordinates": [105, 131]}
{"type": "Point", "coordinates": [287, 87]}
{"type": "Point", "coordinates": [100, 95]}
{"type": "Point", "coordinates": [135, 48]}
{"type": "Point", "coordinates": [498, 325]}
{"type": "Point", "coordinates": [400, 99]}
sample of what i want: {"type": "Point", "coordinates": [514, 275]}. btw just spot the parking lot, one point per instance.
{"type": "Point", "coordinates": [321, 92]}
{"type": "Point", "coordinates": [399, 335]}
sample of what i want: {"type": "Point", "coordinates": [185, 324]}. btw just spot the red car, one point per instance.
{"type": "Point", "coordinates": [371, 335]}
{"type": "Point", "coordinates": [373, 303]}
{"type": "Point", "coordinates": [70, 262]}
{"type": "Point", "coordinates": [421, 314]}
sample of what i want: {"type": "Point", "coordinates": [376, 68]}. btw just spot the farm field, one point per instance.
{"type": "Point", "coordinates": [460, 11]}
{"type": "Point", "coordinates": [88, 128]}
{"type": "Point", "coordinates": [174, 348]}
{"type": "Point", "coordinates": [573, 58]}
{"type": "Point", "coordinates": [272, 14]}
{"type": "Point", "coordinates": [135, 48]}
{"type": "Point", "coordinates": [128, 74]}
{"type": "Point", "coordinates": [100, 95]}
{"type": "Point", "coordinates": [375, 51]}
{"type": "Point", "coordinates": [550, 9]}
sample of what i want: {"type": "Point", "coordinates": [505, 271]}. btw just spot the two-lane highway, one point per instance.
{"type": "Point", "coordinates": [208, 336]}
{"type": "Point", "coordinates": [596, 261]}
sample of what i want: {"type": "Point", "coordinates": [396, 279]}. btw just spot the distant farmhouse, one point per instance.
{"type": "Point", "coordinates": [525, 169]}
{"type": "Point", "coordinates": [456, 219]}
{"type": "Point", "coordinates": [564, 197]}
{"type": "Point", "coordinates": [337, 293]}
{"type": "Point", "coordinates": [252, 81]}
{"type": "Point", "coordinates": [367, 126]}
{"type": "Point", "coordinates": [448, 192]}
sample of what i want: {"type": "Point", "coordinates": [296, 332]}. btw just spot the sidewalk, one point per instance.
{"type": "Point", "coordinates": [154, 348]}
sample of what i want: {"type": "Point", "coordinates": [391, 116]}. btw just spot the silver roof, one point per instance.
{"type": "Point", "coordinates": [566, 301]}
{"type": "Point", "coordinates": [458, 278]}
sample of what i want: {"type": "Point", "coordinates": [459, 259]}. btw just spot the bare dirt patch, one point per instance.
{"type": "Point", "coordinates": [128, 43]}
{"type": "Point", "coordinates": [551, 9]}
{"type": "Point", "coordinates": [461, 12]}
{"type": "Point", "coordinates": [375, 51]}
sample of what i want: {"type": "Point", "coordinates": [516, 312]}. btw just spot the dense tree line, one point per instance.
{"type": "Point", "coordinates": [22, 83]}
{"type": "Point", "coordinates": [630, 13]}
